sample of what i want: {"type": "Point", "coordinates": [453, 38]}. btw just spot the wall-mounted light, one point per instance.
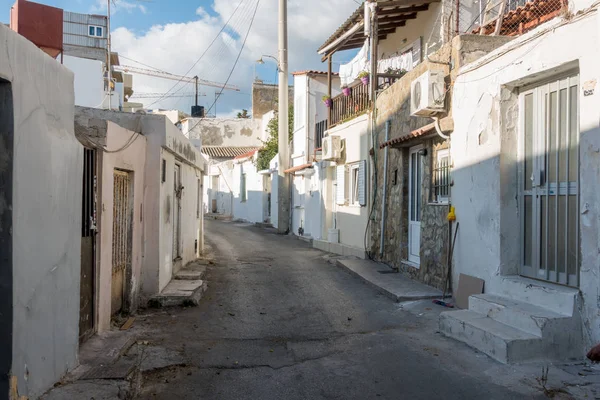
{"type": "Point", "coordinates": [423, 152]}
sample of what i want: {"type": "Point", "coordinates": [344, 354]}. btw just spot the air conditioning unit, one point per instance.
{"type": "Point", "coordinates": [427, 94]}
{"type": "Point", "coordinates": [332, 148]}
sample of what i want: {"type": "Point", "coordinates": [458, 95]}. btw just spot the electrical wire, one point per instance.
{"type": "Point", "coordinates": [234, 65]}
{"type": "Point", "coordinates": [205, 51]}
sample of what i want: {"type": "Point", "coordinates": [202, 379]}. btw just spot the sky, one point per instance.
{"type": "Point", "coordinates": [172, 35]}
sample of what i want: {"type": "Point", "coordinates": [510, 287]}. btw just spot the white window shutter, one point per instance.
{"type": "Point", "coordinates": [362, 183]}
{"type": "Point", "coordinates": [340, 191]}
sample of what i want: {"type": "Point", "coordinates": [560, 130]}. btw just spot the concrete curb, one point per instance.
{"type": "Point", "coordinates": [397, 297]}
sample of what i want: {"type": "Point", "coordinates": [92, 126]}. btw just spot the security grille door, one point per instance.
{"type": "Point", "coordinates": [549, 181]}
{"type": "Point", "coordinates": [121, 244]}
{"type": "Point", "coordinates": [177, 193]}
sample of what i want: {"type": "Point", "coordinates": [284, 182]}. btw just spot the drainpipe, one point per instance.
{"type": "Point", "coordinates": [384, 197]}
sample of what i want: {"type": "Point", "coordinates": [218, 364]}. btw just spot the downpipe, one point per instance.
{"type": "Point", "coordinates": [384, 196]}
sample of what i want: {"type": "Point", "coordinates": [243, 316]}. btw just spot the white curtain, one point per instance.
{"type": "Point", "coordinates": [349, 72]}
{"type": "Point", "coordinates": [403, 61]}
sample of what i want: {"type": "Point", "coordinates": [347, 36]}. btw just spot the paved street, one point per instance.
{"type": "Point", "coordinates": [280, 322]}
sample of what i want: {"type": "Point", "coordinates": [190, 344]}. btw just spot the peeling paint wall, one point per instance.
{"type": "Point", "coordinates": [46, 232]}
{"type": "Point", "coordinates": [484, 152]}
{"type": "Point", "coordinates": [264, 98]}
{"type": "Point", "coordinates": [224, 132]}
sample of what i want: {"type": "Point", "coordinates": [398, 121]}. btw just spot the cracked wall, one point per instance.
{"type": "Point", "coordinates": [46, 219]}
{"type": "Point", "coordinates": [484, 149]}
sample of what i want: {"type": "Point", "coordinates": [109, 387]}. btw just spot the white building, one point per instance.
{"type": "Point", "coordinates": [526, 166]}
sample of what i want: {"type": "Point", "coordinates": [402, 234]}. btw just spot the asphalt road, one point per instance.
{"type": "Point", "coordinates": [280, 322]}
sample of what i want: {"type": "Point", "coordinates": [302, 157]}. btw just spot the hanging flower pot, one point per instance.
{"type": "Point", "coordinates": [327, 100]}
{"type": "Point", "coordinates": [364, 77]}
{"type": "Point", "coordinates": [346, 91]}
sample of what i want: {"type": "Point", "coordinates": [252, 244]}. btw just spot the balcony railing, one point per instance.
{"type": "Point", "coordinates": [345, 108]}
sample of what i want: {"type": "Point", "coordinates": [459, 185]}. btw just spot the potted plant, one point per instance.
{"type": "Point", "coordinates": [364, 77]}
{"type": "Point", "coordinates": [327, 100]}
{"type": "Point", "coordinates": [346, 90]}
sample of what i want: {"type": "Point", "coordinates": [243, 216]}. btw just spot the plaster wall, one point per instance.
{"type": "Point", "coordinates": [484, 141]}
{"type": "Point", "coordinates": [252, 209]}
{"type": "Point", "coordinates": [132, 160]}
{"type": "Point", "coordinates": [352, 220]}
{"type": "Point", "coordinates": [89, 81]}
{"type": "Point", "coordinates": [224, 132]}
{"type": "Point", "coordinates": [46, 231]}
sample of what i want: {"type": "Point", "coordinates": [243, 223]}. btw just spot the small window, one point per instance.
{"type": "Point", "coordinates": [354, 185]}
{"type": "Point", "coordinates": [164, 171]}
{"type": "Point", "coordinates": [441, 177]}
{"type": "Point", "coordinates": [95, 31]}
{"type": "Point", "coordinates": [243, 193]}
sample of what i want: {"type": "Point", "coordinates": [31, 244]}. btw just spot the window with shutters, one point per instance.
{"type": "Point", "coordinates": [354, 193]}
{"type": "Point", "coordinates": [340, 182]}
{"type": "Point", "coordinates": [354, 184]}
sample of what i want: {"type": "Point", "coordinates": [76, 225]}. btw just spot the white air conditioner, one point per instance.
{"type": "Point", "coordinates": [427, 94]}
{"type": "Point", "coordinates": [332, 148]}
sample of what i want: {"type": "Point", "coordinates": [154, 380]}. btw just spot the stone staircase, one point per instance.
{"type": "Point", "coordinates": [526, 321]}
{"type": "Point", "coordinates": [186, 287]}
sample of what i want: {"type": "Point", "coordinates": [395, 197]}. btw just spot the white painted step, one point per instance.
{"type": "Point", "coordinates": [532, 319]}
{"type": "Point", "coordinates": [499, 341]}
{"type": "Point", "coordinates": [560, 299]}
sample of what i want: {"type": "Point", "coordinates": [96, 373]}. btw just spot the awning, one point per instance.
{"type": "Point", "coordinates": [391, 14]}
{"type": "Point", "coordinates": [446, 125]}
{"type": "Point", "coordinates": [297, 168]}
{"type": "Point", "coordinates": [430, 128]}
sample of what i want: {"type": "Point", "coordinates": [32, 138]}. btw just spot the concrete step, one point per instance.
{"type": "Point", "coordinates": [526, 317]}
{"type": "Point", "coordinates": [179, 293]}
{"type": "Point", "coordinates": [499, 341]}
{"type": "Point", "coordinates": [560, 299]}
{"type": "Point", "coordinates": [192, 272]}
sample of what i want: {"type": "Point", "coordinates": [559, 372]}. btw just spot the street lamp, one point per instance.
{"type": "Point", "coordinates": [261, 62]}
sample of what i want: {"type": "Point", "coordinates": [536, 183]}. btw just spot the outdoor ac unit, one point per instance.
{"type": "Point", "coordinates": [332, 148]}
{"type": "Point", "coordinates": [427, 94]}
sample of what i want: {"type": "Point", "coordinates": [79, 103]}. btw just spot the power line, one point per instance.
{"type": "Point", "coordinates": [205, 51]}
{"type": "Point", "coordinates": [234, 64]}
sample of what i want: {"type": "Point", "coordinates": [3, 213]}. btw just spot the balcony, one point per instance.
{"type": "Point", "coordinates": [344, 108]}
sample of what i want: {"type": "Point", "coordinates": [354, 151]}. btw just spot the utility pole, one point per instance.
{"type": "Point", "coordinates": [283, 188]}
{"type": "Point", "coordinates": [108, 75]}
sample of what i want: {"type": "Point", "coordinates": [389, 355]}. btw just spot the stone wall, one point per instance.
{"type": "Point", "coordinates": [264, 98]}
{"type": "Point", "coordinates": [393, 105]}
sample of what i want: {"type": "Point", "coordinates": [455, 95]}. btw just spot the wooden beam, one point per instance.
{"type": "Point", "coordinates": [392, 19]}
{"type": "Point", "coordinates": [329, 68]}
{"type": "Point", "coordinates": [403, 3]}
{"type": "Point", "coordinates": [423, 7]}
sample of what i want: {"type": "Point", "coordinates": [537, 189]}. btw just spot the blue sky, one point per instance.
{"type": "Point", "coordinates": [172, 34]}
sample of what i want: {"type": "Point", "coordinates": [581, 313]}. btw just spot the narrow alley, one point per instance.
{"type": "Point", "coordinates": [280, 322]}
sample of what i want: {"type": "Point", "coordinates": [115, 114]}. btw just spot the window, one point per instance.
{"type": "Point", "coordinates": [354, 192]}
{"type": "Point", "coordinates": [243, 193]}
{"type": "Point", "coordinates": [95, 31]}
{"type": "Point", "coordinates": [354, 185]}
{"type": "Point", "coordinates": [441, 181]}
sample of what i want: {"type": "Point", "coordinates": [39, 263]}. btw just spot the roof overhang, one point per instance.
{"type": "Point", "coordinates": [391, 14]}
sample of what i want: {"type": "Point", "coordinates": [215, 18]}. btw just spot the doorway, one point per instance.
{"type": "Point", "coordinates": [177, 192]}
{"type": "Point", "coordinates": [121, 243]}
{"type": "Point", "coordinates": [549, 181]}
{"type": "Point", "coordinates": [88, 247]}
{"type": "Point", "coordinates": [415, 179]}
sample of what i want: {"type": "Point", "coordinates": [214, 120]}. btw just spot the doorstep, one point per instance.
{"type": "Point", "coordinates": [394, 285]}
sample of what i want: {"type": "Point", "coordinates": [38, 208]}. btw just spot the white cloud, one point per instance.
{"type": "Point", "coordinates": [128, 6]}
{"type": "Point", "coordinates": [175, 47]}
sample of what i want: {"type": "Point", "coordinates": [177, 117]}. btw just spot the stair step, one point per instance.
{"type": "Point", "coordinates": [560, 299]}
{"type": "Point", "coordinates": [499, 341]}
{"type": "Point", "coordinates": [179, 293]}
{"type": "Point", "coordinates": [523, 316]}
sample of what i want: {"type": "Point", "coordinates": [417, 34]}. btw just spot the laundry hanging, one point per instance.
{"type": "Point", "coordinates": [349, 72]}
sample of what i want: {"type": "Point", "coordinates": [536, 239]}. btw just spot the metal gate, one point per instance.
{"type": "Point", "coordinates": [121, 243]}
{"type": "Point", "coordinates": [549, 181]}
{"type": "Point", "coordinates": [177, 192]}
{"type": "Point", "coordinates": [88, 239]}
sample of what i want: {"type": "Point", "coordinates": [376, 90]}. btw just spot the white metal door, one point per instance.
{"type": "Point", "coordinates": [549, 181]}
{"type": "Point", "coordinates": [415, 178]}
